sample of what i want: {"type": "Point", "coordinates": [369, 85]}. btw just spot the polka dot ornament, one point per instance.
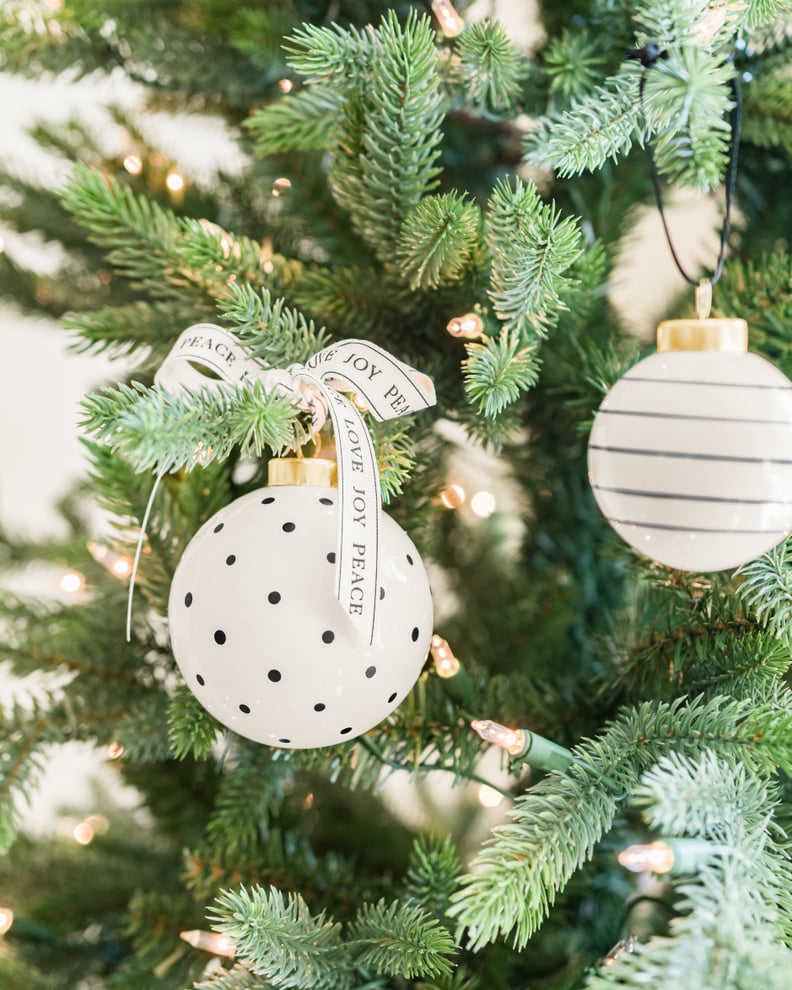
{"type": "Point", "coordinates": [690, 458]}
{"type": "Point", "coordinates": [261, 639]}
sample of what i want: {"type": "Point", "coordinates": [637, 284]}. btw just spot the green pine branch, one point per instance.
{"type": "Point", "coordinates": [686, 103]}
{"type": "Point", "coordinates": [389, 135]}
{"type": "Point", "coordinates": [498, 371]}
{"type": "Point", "coordinates": [279, 938]}
{"type": "Point", "coordinates": [433, 874]}
{"type": "Point", "coordinates": [438, 241]}
{"type": "Point", "coordinates": [558, 822]}
{"type": "Point", "coordinates": [251, 791]}
{"type": "Point", "coordinates": [192, 731]}
{"type": "Point", "coordinates": [302, 121]}
{"type": "Point", "coordinates": [338, 55]}
{"type": "Point", "coordinates": [237, 978]}
{"type": "Point", "coordinates": [766, 588]}
{"type": "Point", "coordinates": [271, 331]}
{"type": "Point", "coordinates": [734, 911]}
{"type": "Point", "coordinates": [399, 939]}
{"type": "Point", "coordinates": [491, 67]}
{"type": "Point", "coordinates": [601, 126]}
{"type": "Point", "coordinates": [533, 248]}
{"type": "Point", "coordinates": [156, 431]}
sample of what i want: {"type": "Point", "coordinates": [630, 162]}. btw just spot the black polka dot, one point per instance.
{"type": "Point", "coordinates": [284, 740]}
{"type": "Point", "coordinates": [273, 597]}
{"type": "Point", "coordinates": [231, 559]}
{"type": "Point", "coordinates": [218, 527]}
{"type": "Point", "coordinates": [268, 501]}
{"type": "Point", "coordinates": [274, 675]}
{"type": "Point", "coordinates": [188, 599]}
{"type": "Point", "coordinates": [415, 634]}
{"type": "Point", "coordinates": [331, 558]}
{"type": "Point", "coordinates": [328, 636]}
{"type": "Point", "coordinates": [346, 731]}
{"type": "Point", "coordinates": [288, 527]}
{"type": "Point", "coordinates": [319, 706]}
{"type": "Point", "coordinates": [382, 593]}
{"type": "Point", "coordinates": [326, 501]}
{"type": "Point", "coordinates": [200, 679]}
{"type": "Point", "coordinates": [392, 698]}
{"type": "Point", "coordinates": [409, 560]}
{"type": "Point", "coordinates": [219, 637]}
{"type": "Point", "coordinates": [245, 709]}
{"type": "Point", "coordinates": [371, 671]}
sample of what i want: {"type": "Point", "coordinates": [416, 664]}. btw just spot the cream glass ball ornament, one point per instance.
{"type": "Point", "coordinates": [690, 454]}
{"type": "Point", "coordinates": [257, 630]}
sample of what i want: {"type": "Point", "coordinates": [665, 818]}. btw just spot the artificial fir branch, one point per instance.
{"type": "Point", "coordinates": [398, 939]}
{"type": "Point", "coordinates": [497, 371]}
{"type": "Point", "coordinates": [281, 940]}
{"type": "Point", "coordinates": [556, 824]}
{"type": "Point", "coordinates": [191, 729]}
{"type": "Point", "coordinates": [601, 126]}
{"type": "Point", "coordinates": [386, 157]}
{"type": "Point", "coordinates": [740, 895]}
{"type": "Point", "coordinates": [433, 874]}
{"type": "Point", "coordinates": [491, 67]}
{"type": "Point", "coordinates": [300, 122]}
{"type": "Point", "coordinates": [767, 590]}
{"type": "Point", "coordinates": [333, 54]}
{"type": "Point", "coordinates": [272, 332]}
{"type": "Point", "coordinates": [533, 248]}
{"type": "Point", "coordinates": [438, 240]}
{"type": "Point", "coordinates": [158, 431]}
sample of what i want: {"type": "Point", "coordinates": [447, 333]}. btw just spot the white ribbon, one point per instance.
{"type": "Point", "coordinates": [387, 387]}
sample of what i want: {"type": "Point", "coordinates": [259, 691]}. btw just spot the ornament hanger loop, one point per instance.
{"type": "Point", "coordinates": [648, 57]}
{"type": "Point", "coordinates": [703, 298]}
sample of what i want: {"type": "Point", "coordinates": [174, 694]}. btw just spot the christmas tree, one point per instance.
{"type": "Point", "coordinates": [456, 203]}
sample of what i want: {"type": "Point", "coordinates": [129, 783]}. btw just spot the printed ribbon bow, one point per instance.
{"type": "Point", "coordinates": [388, 387]}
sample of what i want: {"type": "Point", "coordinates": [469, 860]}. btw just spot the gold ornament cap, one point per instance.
{"type": "Point", "coordinates": [727, 334]}
{"type": "Point", "coordinates": [703, 334]}
{"type": "Point", "coordinates": [318, 472]}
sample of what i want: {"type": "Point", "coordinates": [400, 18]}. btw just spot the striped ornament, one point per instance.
{"type": "Point", "coordinates": [690, 458]}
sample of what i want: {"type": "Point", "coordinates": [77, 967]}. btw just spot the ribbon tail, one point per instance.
{"type": "Point", "coordinates": [359, 514]}
{"type": "Point", "coordinates": [138, 551]}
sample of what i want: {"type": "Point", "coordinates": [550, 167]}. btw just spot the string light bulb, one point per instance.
{"type": "Point", "coordinates": [512, 740]}
{"type": "Point", "coordinates": [174, 181]}
{"type": "Point", "coordinates": [451, 23]}
{"type": "Point", "coordinates": [285, 85]}
{"type": "Point", "coordinates": [452, 497]}
{"type": "Point", "coordinates": [622, 946]}
{"type": "Point", "coordinates": [133, 164]}
{"type": "Point", "coordinates": [280, 186]}
{"type": "Point", "coordinates": [71, 582]}
{"type": "Point", "coordinates": [214, 942]}
{"type": "Point", "coordinates": [446, 664]}
{"type": "Point", "coordinates": [119, 565]}
{"type": "Point", "coordinates": [483, 504]}
{"type": "Point", "coordinates": [114, 750]}
{"type": "Point", "coordinates": [541, 753]}
{"type": "Point", "coordinates": [470, 326]}
{"type": "Point", "coordinates": [668, 855]}
{"type": "Point", "coordinates": [6, 919]}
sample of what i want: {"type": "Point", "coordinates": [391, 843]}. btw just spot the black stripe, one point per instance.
{"type": "Point", "coordinates": [691, 381]}
{"type": "Point", "coordinates": [694, 529]}
{"type": "Point", "coordinates": [635, 451]}
{"type": "Point", "coordinates": [691, 498]}
{"type": "Point", "coordinates": [709, 419]}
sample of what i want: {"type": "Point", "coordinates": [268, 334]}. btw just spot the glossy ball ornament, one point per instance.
{"type": "Point", "coordinates": [262, 640]}
{"type": "Point", "coordinates": [690, 454]}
